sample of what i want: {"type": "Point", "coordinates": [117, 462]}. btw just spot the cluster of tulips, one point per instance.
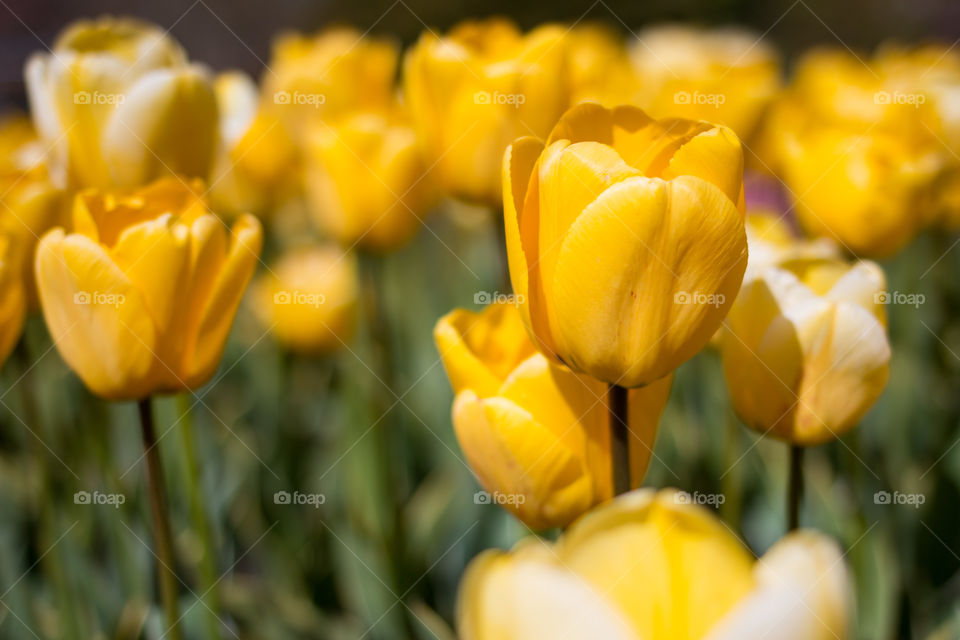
{"type": "Point", "coordinates": [132, 198]}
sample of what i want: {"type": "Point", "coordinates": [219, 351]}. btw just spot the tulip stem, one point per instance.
{"type": "Point", "coordinates": [619, 439]}
{"type": "Point", "coordinates": [795, 487]}
{"type": "Point", "coordinates": [161, 520]}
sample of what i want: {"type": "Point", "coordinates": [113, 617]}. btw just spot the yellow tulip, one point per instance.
{"type": "Point", "coordinates": [650, 566]}
{"type": "Point", "coordinates": [805, 350]}
{"type": "Point", "coordinates": [308, 298]}
{"type": "Point", "coordinates": [140, 297]}
{"type": "Point", "coordinates": [728, 76]}
{"type": "Point", "coordinates": [255, 155]}
{"type": "Point", "coordinates": [861, 152]}
{"type": "Point", "coordinates": [772, 242]}
{"type": "Point", "coordinates": [13, 300]}
{"type": "Point", "coordinates": [29, 203]}
{"type": "Point", "coordinates": [330, 73]}
{"type": "Point", "coordinates": [599, 68]}
{"type": "Point", "coordinates": [119, 105]}
{"type": "Point", "coordinates": [474, 90]}
{"type": "Point", "coordinates": [366, 181]}
{"type": "Point", "coordinates": [625, 243]}
{"type": "Point", "coordinates": [536, 434]}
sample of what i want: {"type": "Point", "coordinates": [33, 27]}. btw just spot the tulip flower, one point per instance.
{"type": "Point", "coordinates": [139, 298]}
{"type": "Point", "coordinates": [625, 243]}
{"type": "Point", "coordinates": [650, 565]}
{"type": "Point", "coordinates": [255, 156]}
{"type": "Point", "coordinates": [474, 90]}
{"type": "Point", "coordinates": [13, 301]}
{"type": "Point", "coordinates": [29, 203]}
{"type": "Point", "coordinates": [805, 351]}
{"type": "Point", "coordinates": [119, 105]}
{"type": "Point", "coordinates": [309, 298]}
{"type": "Point", "coordinates": [772, 242]}
{"type": "Point", "coordinates": [860, 152]}
{"type": "Point", "coordinates": [536, 433]}
{"type": "Point", "coordinates": [599, 68]}
{"type": "Point", "coordinates": [330, 73]}
{"type": "Point", "coordinates": [728, 76]}
{"type": "Point", "coordinates": [366, 181]}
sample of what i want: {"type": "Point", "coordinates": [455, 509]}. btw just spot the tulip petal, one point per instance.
{"type": "Point", "coordinates": [545, 482]}
{"type": "Point", "coordinates": [714, 155]}
{"type": "Point", "coordinates": [96, 316]}
{"type": "Point", "coordinates": [525, 596]}
{"type": "Point", "coordinates": [221, 305]}
{"type": "Point", "coordinates": [625, 266]}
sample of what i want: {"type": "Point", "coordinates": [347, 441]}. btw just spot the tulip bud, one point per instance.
{"type": "Point", "coordinates": [120, 105]}
{"type": "Point", "coordinates": [625, 243]}
{"type": "Point", "coordinates": [536, 434]}
{"type": "Point", "coordinates": [139, 298]}
{"type": "Point", "coordinates": [366, 182]}
{"type": "Point", "coordinates": [476, 89]}
{"type": "Point", "coordinates": [308, 298]}
{"type": "Point", "coordinates": [805, 351]}
{"type": "Point", "coordinates": [653, 565]}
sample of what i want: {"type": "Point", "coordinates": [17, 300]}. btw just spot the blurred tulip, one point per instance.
{"type": "Point", "coordinates": [475, 90]}
{"type": "Point", "coordinates": [29, 203]}
{"type": "Point", "coordinates": [805, 351]}
{"type": "Point", "coordinates": [309, 298]}
{"type": "Point", "coordinates": [536, 433]}
{"type": "Point", "coordinates": [651, 565]}
{"type": "Point", "coordinates": [330, 73]}
{"type": "Point", "coordinates": [598, 67]}
{"type": "Point", "coordinates": [13, 301]}
{"type": "Point", "coordinates": [255, 156]}
{"type": "Point", "coordinates": [366, 181]}
{"type": "Point", "coordinates": [728, 76]}
{"type": "Point", "coordinates": [859, 150]}
{"type": "Point", "coordinates": [119, 105]}
{"type": "Point", "coordinates": [771, 242]}
{"type": "Point", "coordinates": [625, 243]}
{"type": "Point", "coordinates": [139, 299]}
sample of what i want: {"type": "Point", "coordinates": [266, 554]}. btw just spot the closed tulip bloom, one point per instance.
{"type": "Point", "coordinates": [308, 299]}
{"type": "Point", "coordinates": [474, 90]}
{"type": "Point", "coordinates": [120, 105]}
{"type": "Point", "coordinates": [728, 76]}
{"type": "Point", "coordinates": [805, 352]}
{"type": "Point", "coordinates": [329, 73]}
{"type": "Point", "coordinates": [624, 239]}
{"type": "Point", "coordinates": [366, 182]}
{"type": "Point", "coordinates": [140, 297]}
{"type": "Point", "coordinates": [29, 202]}
{"type": "Point", "coordinates": [255, 155]}
{"type": "Point", "coordinates": [13, 300]}
{"type": "Point", "coordinates": [533, 431]}
{"type": "Point", "coordinates": [648, 565]}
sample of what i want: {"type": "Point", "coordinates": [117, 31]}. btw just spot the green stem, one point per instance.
{"type": "Point", "coordinates": [795, 487]}
{"type": "Point", "coordinates": [161, 520]}
{"type": "Point", "coordinates": [619, 439]}
{"type": "Point", "coordinates": [198, 513]}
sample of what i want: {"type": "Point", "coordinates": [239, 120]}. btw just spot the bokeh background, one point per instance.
{"type": "Point", "coordinates": [269, 421]}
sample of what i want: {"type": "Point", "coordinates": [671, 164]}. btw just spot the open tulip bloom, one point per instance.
{"type": "Point", "coordinates": [651, 566]}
